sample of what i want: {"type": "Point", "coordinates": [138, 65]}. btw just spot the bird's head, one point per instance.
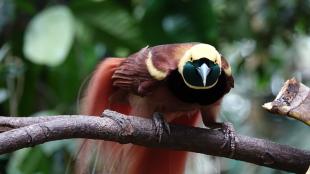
{"type": "Point", "coordinates": [200, 66]}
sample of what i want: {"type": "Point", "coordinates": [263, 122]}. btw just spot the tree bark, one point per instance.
{"type": "Point", "coordinates": [19, 132]}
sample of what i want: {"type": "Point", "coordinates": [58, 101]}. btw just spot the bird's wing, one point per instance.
{"type": "Point", "coordinates": [229, 78]}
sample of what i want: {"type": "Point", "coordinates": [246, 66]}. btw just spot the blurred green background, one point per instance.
{"type": "Point", "coordinates": [49, 48]}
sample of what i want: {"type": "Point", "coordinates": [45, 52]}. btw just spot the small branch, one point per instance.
{"type": "Point", "coordinates": [293, 101]}
{"type": "Point", "coordinates": [32, 131]}
{"type": "Point", "coordinates": [9, 123]}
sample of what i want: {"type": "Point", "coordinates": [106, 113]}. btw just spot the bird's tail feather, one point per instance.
{"type": "Point", "coordinates": [96, 100]}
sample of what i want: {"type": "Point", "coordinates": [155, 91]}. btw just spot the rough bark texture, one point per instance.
{"type": "Point", "coordinates": [31, 131]}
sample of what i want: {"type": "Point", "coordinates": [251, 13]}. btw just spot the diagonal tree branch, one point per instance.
{"type": "Point", "coordinates": [30, 131]}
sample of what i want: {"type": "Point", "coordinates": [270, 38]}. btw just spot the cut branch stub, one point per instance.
{"type": "Point", "coordinates": [293, 100]}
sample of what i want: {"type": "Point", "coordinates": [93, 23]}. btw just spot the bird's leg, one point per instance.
{"type": "Point", "coordinates": [160, 124]}
{"type": "Point", "coordinates": [209, 114]}
{"type": "Point", "coordinates": [229, 135]}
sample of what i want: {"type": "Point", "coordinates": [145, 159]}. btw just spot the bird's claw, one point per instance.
{"type": "Point", "coordinates": [160, 125]}
{"type": "Point", "coordinates": [230, 138]}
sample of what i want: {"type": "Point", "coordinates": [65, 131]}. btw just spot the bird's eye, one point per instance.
{"type": "Point", "coordinates": [191, 59]}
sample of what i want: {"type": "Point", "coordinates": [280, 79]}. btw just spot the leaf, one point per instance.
{"type": "Point", "coordinates": [45, 113]}
{"type": "Point", "coordinates": [4, 50]}
{"type": "Point", "coordinates": [49, 36]}
{"type": "Point", "coordinates": [293, 100]}
{"type": "Point", "coordinates": [114, 25]}
{"type": "Point", "coordinates": [28, 161]}
{"type": "Point", "coordinates": [54, 146]}
{"type": "Point", "coordinates": [16, 160]}
{"type": "Point", "coordinates": [4, 95]}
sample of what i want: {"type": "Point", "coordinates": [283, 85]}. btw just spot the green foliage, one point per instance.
{"type": "Point", "coordinates": [38, 160]}
{"type": "Point", "coordinates": [49, 36]}
{"type": "Point", "coordinates": [49, 48]}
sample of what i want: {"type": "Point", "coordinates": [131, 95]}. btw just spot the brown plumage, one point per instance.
{"type": "Point", "coordinates": [149, 81]}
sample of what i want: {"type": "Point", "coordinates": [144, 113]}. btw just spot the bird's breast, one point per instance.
{"type": "Point", "coordinates": [190, 95]}
{"type": "Point", "coordinates": [161, 100]}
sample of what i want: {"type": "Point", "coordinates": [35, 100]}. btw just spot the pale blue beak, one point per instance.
{"type": "Point", "coordinates": [203, 71]}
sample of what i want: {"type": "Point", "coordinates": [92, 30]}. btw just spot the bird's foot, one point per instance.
{"type": "Point", "coordinates": [230, 138]}
{"type": "Point", "coordinates": [160, 125]}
